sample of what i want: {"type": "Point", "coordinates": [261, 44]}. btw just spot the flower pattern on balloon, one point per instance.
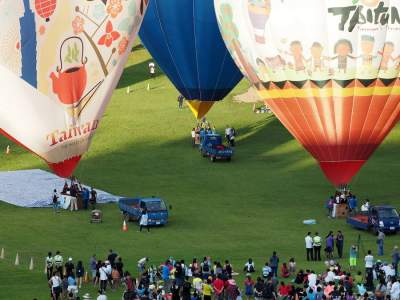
{"type": "Point", "coordinates": [123, 45]}
{"type": "Point", "coordinates": [77, 24]}
{"type": "Point", "coordinates": [114, 8]}
{"type": "Point", "coordinates": [110, 36]}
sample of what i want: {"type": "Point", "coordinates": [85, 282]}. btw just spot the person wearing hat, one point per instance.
{"type": "Point", "coordinates": [69, 267]}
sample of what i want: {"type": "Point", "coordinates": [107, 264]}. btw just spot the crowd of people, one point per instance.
{"type": "Point", "coordinates": [207, 279]}
{"type": "Point", "coordinates": [77, 193]}
{"type": "Point", "coordinates": [204, 127]}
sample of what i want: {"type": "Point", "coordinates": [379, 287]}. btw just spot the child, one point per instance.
{"type": "Point", "coordinates": [249, 287]}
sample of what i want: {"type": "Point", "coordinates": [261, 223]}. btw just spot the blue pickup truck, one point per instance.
{"type": "Point", "coordinates": [211, 146]}
{"type": "Point", "coordinates": [379, 217]}
{"type": "Point", "coordinates": [132, 209]}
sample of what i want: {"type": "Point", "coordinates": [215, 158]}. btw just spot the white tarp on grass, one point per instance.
{"type": "Point", "coordinates": [34, 188]}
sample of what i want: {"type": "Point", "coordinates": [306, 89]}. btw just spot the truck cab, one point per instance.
{"type": "Point", "coordinates": [384, 217]}
{"type": "Point", "coordinates": [156, 209]}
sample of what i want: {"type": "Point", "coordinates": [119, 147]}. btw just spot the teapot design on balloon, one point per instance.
{"type": "Point", "coordinates": [69, 84]}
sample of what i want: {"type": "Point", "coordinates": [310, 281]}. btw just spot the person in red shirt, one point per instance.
{"type": "Point", "coordinates": [284, 289]}
{"type": "Point", "coordinates": [285, 271]}
{"type": "Point", "coordinates": [218, 286]}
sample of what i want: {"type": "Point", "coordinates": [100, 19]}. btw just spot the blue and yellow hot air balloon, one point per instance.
{"type": "Point", "coordinates": [184, 39]}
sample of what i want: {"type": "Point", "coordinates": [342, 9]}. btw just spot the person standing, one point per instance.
{"type": "Point", "coordinates": [55, 284]}
{"type": "Point", "coordinates": [55, 201]}
{"type": "Point", "coordinates": [395, 259]}
{"type": "Point", "coordinates": [92, 266]}
{"type": "Point", "coordinates": [339, 243]}
{"type": "Point", "coordinates": [93, 198]}
{"type": "Point", "coordinates": [80, 272]}
{"type": "Point", "coordinates": [317, 247]}
{"type": "Point", "coordinates": [329, 243]}
{"type": "Point", "coordinates": [144, 221]}
{"type": "Point", "coordinates": [353, 257]}
{"type": "Point", "coordinates": [379, 241]}
{"type": "Point", "coordinates": [58, 263]}
{"type": "Point", "coordinates": [86, 197]}
{"type": "Point", "coordinates": [180, 101]}
{"type": "Point", "coordinates": [309, 246]}
{"type": "Point", "coordinates": [273, 263]}
{"type": "Point", "coordinates": [103, 277]}
{"type": "Point", "coordinates": [49, 265]}
{"type": "Point", "coordinates": [369, 262]}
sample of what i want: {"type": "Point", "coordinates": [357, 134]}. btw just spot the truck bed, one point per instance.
{"type": "Point", "coordinates": [358, 221]}
{"type": "Point", "coordinates": [130, 206]}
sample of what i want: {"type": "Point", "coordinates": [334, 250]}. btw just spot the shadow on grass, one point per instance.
{"type": "Point", "coordinates": [137, 73]}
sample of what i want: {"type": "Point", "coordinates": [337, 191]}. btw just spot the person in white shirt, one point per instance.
{"type": "Point", "coordinates": [365, 206]}
{"type": "Point", "coordinates": [312, 279]}
{"type": "Point", "coordinates": [249, 266]}
{"type": "Point", "coordinates": [330, 276]}
{"type": "Point", "coordinates": [395, 290]}
{"type": "Point", "coordinates": [103, 277]}
{"type": "Point", "coordinates": [309, 246]}
{"type": "Point", "coordinates": [55, 283]}
{"type": "Point", "coordinates": [369, 261]}
{"type": "Point", "coordinates": [266, 270]}
{"type": "Point", "coordinates": [142, 264]}
{"type": "Point", "coordinates": [144, 219]}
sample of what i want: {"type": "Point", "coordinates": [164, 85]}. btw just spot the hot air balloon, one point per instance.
{"type": "Point", "coordinates": [184, 39]}
{"type": "Point", "coordinates": [45, 8]}
{"type": "Point", "coordinates": [56, 85]}
{"type": "Point", "coordinates": [328, 70]}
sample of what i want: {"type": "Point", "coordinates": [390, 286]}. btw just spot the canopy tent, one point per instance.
{"type": "Point", "coordinates": [34, 188]}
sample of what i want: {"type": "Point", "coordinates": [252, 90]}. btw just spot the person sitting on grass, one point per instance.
{"type": "Point", "coordinates": [249, 266]}
{"type": "Point", "coordinates": [285, 271]}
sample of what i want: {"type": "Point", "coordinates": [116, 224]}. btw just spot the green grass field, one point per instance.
{"type": "Point", "coordinates": [246, 208]}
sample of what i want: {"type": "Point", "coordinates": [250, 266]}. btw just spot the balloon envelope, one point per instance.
{"type": "Point", "coordinates": [184, 39]}
{"type": "Point", "coordinates": [328, 70]}
{"type": "Point", "coordinates": [59, 63]}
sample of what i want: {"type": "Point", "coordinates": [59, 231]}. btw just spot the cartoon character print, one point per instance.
{"type": "Point", "coordinates": [299, 61]}
{"type": "Point", "coordinates": [317, 60]}
{"type": "Point", "coordinates": [387, 55]}
{"type": "Point", "coordinates": [259, 11]}
{"type": "Point", "coordinates": [343, 50]}
{"type": "Point", "coordinates": [367, 48]}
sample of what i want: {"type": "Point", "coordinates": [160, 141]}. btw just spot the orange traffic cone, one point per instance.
{"type": "Point", "coordinates": [124, 226]}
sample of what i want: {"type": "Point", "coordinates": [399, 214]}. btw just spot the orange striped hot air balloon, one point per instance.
{"type": "Point", "coordinates": [45, 8]}
{"type": "Point", "coordinates": [329, 70]}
